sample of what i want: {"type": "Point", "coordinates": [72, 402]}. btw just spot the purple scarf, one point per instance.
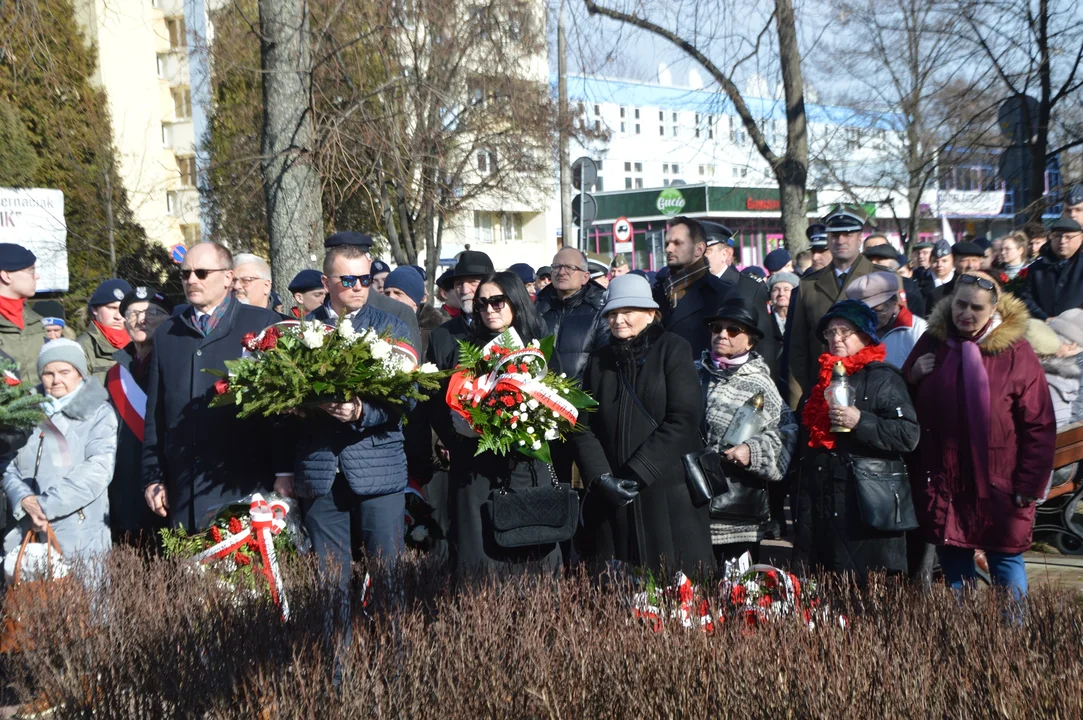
{"type": "Point", "coordinates": [964, 368]}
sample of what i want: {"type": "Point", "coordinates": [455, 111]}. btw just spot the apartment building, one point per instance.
{"type": "Point", "coordinates": [143, 68]}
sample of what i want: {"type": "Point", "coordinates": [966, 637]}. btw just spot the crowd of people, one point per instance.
{"type": "Point", "coordinates": [903, 406]}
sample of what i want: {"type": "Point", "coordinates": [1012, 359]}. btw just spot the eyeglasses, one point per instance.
{"type": "Point", "coordinates": [981, 282]}
{"type": "Point", "coordinates": [841, 332]}
{"type": "Point", "coordinates": [201, 273]}
{"type": "Point", "coordinates": [151, 312]}
{"type": "Point", "coordinates": [567, 268]}
{"type": "Point", "coordinates": [496, 302]}
{"type": "Point", "coordinates": [731, 330]}
{"type": "Point", "coordinates": [348, 281]}
{"type": "Point", "coordinates": [246, 281]}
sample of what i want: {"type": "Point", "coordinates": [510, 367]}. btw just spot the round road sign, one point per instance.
{"type": "Point", "coordinates": [622, 230]}
{"type": "Point", "coordinates": [177, 252]}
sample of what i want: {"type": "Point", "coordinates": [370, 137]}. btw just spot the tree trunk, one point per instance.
{"type": "Point", "coordinates": [792, 170]}
{"type": "Point", "coordinates": [110, 228]}
{"type": "Point", "coordinates": [290, 179]}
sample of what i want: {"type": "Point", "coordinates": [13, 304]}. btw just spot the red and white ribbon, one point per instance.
{"type": "Point", "coordinates": [266, 521]}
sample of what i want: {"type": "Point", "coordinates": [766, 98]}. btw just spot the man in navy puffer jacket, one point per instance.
{"type": "Point", "coordinates": [350, 469]}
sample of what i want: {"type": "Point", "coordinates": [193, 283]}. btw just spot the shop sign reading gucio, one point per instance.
{"type": "Point", "coordinates": [670, 201]}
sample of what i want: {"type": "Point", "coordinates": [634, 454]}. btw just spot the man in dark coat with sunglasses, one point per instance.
{"type": "Point", "coordinates": [197, 458]}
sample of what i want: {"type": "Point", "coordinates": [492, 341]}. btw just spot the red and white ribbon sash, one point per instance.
{"type": "Point", "coordinates": [267, 520]}
{"type": "Point", "coordinates": [128, 397]}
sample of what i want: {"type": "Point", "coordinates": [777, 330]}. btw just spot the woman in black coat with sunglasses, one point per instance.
{"type": "Point", "coordinates": [501, 302]}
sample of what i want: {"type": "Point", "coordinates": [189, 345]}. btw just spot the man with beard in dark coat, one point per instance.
{"type": "Point", "coordinates": [195, 457]}
{"type": "Point", "coordinates": [130, 520]}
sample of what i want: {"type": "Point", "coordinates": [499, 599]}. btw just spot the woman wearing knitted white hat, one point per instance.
{"type": "Point", "coordinates": [60, 477]}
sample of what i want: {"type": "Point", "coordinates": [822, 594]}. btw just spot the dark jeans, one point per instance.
{"type": "Point", "coordinates": [329, 519]}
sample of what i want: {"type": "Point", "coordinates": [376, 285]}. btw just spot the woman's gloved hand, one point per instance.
{"type": "Point", "coordinates": [618, 491]}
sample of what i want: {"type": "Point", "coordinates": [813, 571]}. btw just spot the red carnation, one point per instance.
{"type": "Point", "coordinates": [486, 357]}
{"type": "Point", "coordinates": [524, 368]}
{"type": "Point", "coordinates": [249, 341]}
{"type": "Point", "coordinates": [499, 412]}
{"type": "Point", "coordinates": [216, 534]}
{"type": "Point", "coordinates": [1022, 274]}
{"type": "Point", "coordinates": [765, 601]}
{"type": "Point", "coordinates": [1004, 279]}
{"type": "Point", "coordinates": [270, 338]}
{"type": "Point", "coordinates": [242, 559]}
{"type": "Point", "coordinates": [738, 595]}
{"type": "Point", "coordinates": [507, 401]}
{"type": "Point", "coordinates": [235, 526]}
{"type": "Point", "coordinates": [221, 386]}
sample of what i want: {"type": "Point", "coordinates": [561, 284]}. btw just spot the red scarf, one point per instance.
{"type": "Point", "coordinates": [117, 338]}
{"type": "Point", "coordinates": [905, 318]}
{"type": "Point", "coordinates": [815, 416]}
{"type": "Point", "coordinates": [453, 311]}
{"type": "Point", "coordinates": [12, 309]}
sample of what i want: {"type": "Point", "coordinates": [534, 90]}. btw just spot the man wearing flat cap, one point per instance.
{"type": "Point", "coordinates": [1054, 281]}
{"type": "Point", "coordinates": [21, 331]}
{"type": "Point", "coordinates": [885, 258]}
{"type": "Point", "coordinates": [105, 333]}
{"type": "Point", "coordinates": [818, 292]}
{"type": "Point", "coordinates": [898, 327]}
{"type": "Point", "coordinates": [375, 299]}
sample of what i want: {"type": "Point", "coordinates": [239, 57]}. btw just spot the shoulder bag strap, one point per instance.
{"type": "Point", "coordinates": [631, 391]}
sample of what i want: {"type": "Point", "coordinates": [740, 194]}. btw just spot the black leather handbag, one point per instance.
{"type": "Point", "coordinates": [883, 494]}
{"type": "Point", "coordinates": [539, 515]}
{"type": "Point", "coordinates": [705, 475]}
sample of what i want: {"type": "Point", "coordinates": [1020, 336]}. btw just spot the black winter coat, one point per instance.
{"type": "Point", "coordinates": [700, 302]}
{"type": "Point", "coordinates": [129, 513]}
{"type": "Point", "coordinates": [915, 301]}
{"type": "Point", "coordinates": [830, 533]}
{"type": "Point", "coordinates": [660, 527]}
{"type": "Point", "coordinates": [754, 291]}
{"type": "Point", "coordinates": [205, 456]}
{"type": "Point", "coordinates": [1053, 285]}
{"type": "Point", "coordinates": [578, 324]}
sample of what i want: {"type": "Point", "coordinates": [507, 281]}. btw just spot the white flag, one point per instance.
{"type": "Point", "coordinates": [945, 230]}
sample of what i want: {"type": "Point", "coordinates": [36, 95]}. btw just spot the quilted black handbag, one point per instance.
{"type": "Point", "coordinates": [539, 515]}
{"type": "Point", "coordinates": [883, 494]}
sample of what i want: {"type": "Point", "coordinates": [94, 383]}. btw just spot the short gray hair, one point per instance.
{"type": "Point", "coordinates": [262, 267]}
{"type": "Point", "coordinates": [582, 256]}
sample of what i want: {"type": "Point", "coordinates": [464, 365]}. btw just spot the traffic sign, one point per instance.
{"type": "Point", "coordinates": [622, 235]}
{"type": "Point", "coordinates": [584, 173]}
{"type": "Point", "coordinates": [584, 210]}
{"type": "Point", "coordinates": [177, 252]}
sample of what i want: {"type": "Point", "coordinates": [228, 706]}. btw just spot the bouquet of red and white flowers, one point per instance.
{"type": "Point", "coordinates": [756, 594]}
{"type": "Point", "coordinates": [244, 541]}
{"type": "Point", "coordinates": [296, 364]}
{"type": "Point", "coordinates": [505, 394]}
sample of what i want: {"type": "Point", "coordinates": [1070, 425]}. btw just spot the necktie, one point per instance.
{"type": "Point", "coordinates": [842, 280]}
{"type": "Point", "coordinates": [203, 321]}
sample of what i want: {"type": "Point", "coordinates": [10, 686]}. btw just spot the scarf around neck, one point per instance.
{"type": "Point", "coordinates": [721, 362]}
{"type": "Point", "coordinates": [12, 309]}
{"type": "Point", "coordinates": [815, 416]}
{"type": "Point", "coordinates": [117, 338]}
{"type": "Point", "coordinates": [679, 281]}
{"type": "Point", "coordinates": [53, 405]}
{"type": "Point", "coordinates": [904, 319]}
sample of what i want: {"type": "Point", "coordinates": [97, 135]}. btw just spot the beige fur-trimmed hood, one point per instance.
{"type": "Point", "coordinates": [1012, 328]}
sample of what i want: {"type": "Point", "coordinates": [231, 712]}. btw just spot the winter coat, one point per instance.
{"type": "Point", "coordinates": [23, 345]}
{"type": "Point", "coordinates": [578, 324]}
{"type": "Point", "coordinates": [428, 319]}
{"type": "Point", "coordinates": [830, 532]}
{"type": "Point", "coordinates": [128, 509]}
{"type": "Point", "coordinates": [900, 340]}
{"type": "Point", "coordinates": [206, 457]}
{"type": "Point", "coordinates": [381, 302]}
{"type": "Point", "coordinates": [369, 452]}
{"type": "Point", "coordinates": [701, 300]}
{"type": "Point", "coordinates": [1022, 437]}
{"type": "Point", "coordinates": [754, 290]}
{"type": "Point", "coordinates": [79, 445]}
{"type": "Point", "coordinates": [1063, 375]}
{"type": "Point", "coordinates": [99, 351]}
{"type": "Point", "coordinates": [660, 527]}
{"type": "Point", "coordinates": [818, 292]}
{"type": "Point", "coordinates": [1053, 285]}
{"type": "Point", "coordinates": [725, 391]}
{"type": "Point", "coordinates": [914, 299]}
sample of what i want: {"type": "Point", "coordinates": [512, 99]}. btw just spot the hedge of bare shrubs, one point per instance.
{"type": "Point", "coordinates": [159, 641]}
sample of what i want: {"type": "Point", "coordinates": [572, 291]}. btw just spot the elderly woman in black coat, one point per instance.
{"type": "Point", "coordinates": [841, 529]}
{"type": "Point", "coordinates": [637, 507]}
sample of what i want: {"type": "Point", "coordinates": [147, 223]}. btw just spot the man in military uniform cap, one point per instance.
{"type": "Point", "coordinates": [965, 256]}
{"type": "Point", "coordinates": [105, 333]}
{"type": "Point", "coordinates": [21, 331]}
{"type": "Point", "coordinates": [817, 245]}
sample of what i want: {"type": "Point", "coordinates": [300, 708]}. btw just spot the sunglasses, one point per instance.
{"type": "Point", "coordinates": [348, 281]}
{"type": "Point", "coordinates": [201, 273]}
{"type": "Point", "coordinates": [731, 330]}
{"type": "Point", "coordinates": [981, 282]}
{"type": "Point", "coordinates": [496, 302]}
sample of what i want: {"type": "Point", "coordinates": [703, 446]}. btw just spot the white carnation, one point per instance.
{"type": "Point", "coordinates": [522, 442]}
{"type": "Point", "coordinates": [381, 349]}
{"type": "Point", "coordinates": [312, 336]}
{"type": "Point", "coordinates": [536, 445]}
{"type": "Point", "coordinates": [524, 417]}
{"type": "Point", "coordinates": [419, 533]}
{"type": "Point", "coordinates": [530, 430]}
{"type": "Point", "coordinates": [429, 368]}
{"type": "Point", "coordinates": [346, 330]}
{"type": "Point", "coordinates": [551, 434]}
{"type": "Point", "coordinates": [532, 404]}
{"type": "Point", "coordinates": [523, 408]}
{"type": "Point", "coordinates": [556, 414]}
{"type": "Point", "coordinates": [514, 425]}
{"type": "Point", "coordinates": [563, 375]}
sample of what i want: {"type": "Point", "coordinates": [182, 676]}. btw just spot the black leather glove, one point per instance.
{"type": "Point", "coordinates": [617, 491]}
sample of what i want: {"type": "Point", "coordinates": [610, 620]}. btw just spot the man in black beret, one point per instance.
{"type": "Point", "coordinates": [1054, 281]}
{"type": "Point", "coordinates": [376, 299]}
{"type": "Point", "coordinates": [966, 256]}
{"type": "Point", "coordinates": [380, 271]}
{"type": "Point", "coordinates": [127, 381]}
{"type": "Point", "coordinates": [308, 292]}
{"type": "Point", "coordinates": [885, 257]}
{"type": "Point", "coordinates": [21, 331]}
{"type": "Point", "coordinates": [1073, 204]}
{"type": "Point", "coordinates": [105, 333]}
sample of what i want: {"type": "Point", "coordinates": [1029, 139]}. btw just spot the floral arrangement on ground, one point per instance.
{"type": "Point", "coordinates": [504, 394]}
{"type": "Point", "coordinates": [296, 364]}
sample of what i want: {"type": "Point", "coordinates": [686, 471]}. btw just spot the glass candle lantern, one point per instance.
{"type": "Point", "coordinates": [839, 393]}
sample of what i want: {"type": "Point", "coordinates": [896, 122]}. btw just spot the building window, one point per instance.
{"type": "Point", "coordinates": [598, 185]}
{"type": "Point", "coordinates": [623, 128]}
{"type": "Point", "coordinates": [486, 162]}
{"type": "Point", "coordinates": [191, 233]}
{"type": "Point", "coordinates": [661, 116]}
{"type": "Point", "coordinates": [187, 167]}
{"type": "Point", "coordinates": [665, 183]}
{"type": "Point", "coordinates": [662, 130]}
{"type": "Point", "coordinates": [182, 103]}
{"type": "Point", "coordinates": [735, 173]}
{"type": "Point", "coordinates": [665, 168]}
{"type": "Point", "coordinates": [637, 128]}
{"type": "Point", "coordinates": [622, 111]}
{"type": "Point", "coordinates": [175, 26]}
{"type": "Point", "coordinates": [674, 131]}
{"type": "Point", "coordinates": [171, 203]}
{"type": "Point", "coordinates": [637, 113]}
{"type": "Point", "coordinates": [483, 227]}
{"type": "Point", "coordinates": [627, 183]}
{"type": "Point", "coordinates": [639, 182]}
{"type": "Point", "coordinates": [710, 127]}
{"type": "Point", "coordinates": [852, 137]}
{"type": "Point", "coordinates": [597, 110]}
{"type": "Point", "coordinates": [676, 169]}
{"type": "Point", "coordinates": [598, 164]}
{"type": "Point", "coordinates": [167, 135]}
{"type": "Point", "coordinates": [597, 126]}
{"type": "Point", "coordinates": [511, 225]}
{"type": "Point", "coordinates": [627, 167]}
{"type": "Point", "coordinates": [161, 67]}
{"type": "Point", "coordinates": [639, 167]}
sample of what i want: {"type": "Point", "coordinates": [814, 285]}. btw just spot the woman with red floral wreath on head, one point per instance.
{"type": "Point", "coordinates": [834, 530]}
